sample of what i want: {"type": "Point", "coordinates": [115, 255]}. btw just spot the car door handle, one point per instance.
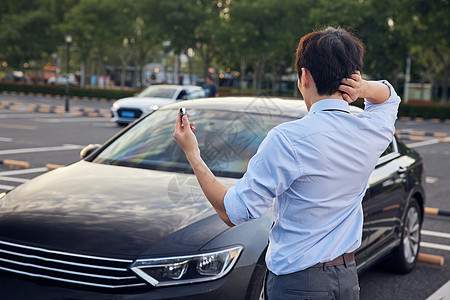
{"type": "Point", "coordinates": [402, 169]}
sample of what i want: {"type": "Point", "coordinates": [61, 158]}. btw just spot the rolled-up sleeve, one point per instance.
{"type": "Point", "coordinates": [388, 109]}
{"type": "Point", "coordinates": [270, 172]}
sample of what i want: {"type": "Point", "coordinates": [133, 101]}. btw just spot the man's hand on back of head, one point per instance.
{"type": "Point", "coordinates": [355, 87]}
{"type": "Point", "coordinates": [352, 88]}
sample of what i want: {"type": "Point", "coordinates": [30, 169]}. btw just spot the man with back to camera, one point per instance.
{"type": "Point", "coordinates": [314, 171]}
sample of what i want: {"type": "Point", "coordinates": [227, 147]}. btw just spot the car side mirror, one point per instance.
{"type": "Point", "coordinates": [88, 150]}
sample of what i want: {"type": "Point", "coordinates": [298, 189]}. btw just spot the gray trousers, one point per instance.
{"type": "Point", "coordinates": [331, 282]}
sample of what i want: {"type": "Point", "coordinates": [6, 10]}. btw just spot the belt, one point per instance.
{"type": "Point", "coordinates": [340, 260]}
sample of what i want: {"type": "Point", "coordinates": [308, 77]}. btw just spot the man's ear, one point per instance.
{"type": "Point", "coordinates": [305, 78]}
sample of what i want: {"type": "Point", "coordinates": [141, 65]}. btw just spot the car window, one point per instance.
{"type": "Point", "coordinates": [182, 95]}
{"type": "Point", "coordinates": [160, 92]}
{"type": "Point", "coordinates": [194, 94]}
{"type": "Point", "coordinates": [390, 153]}
{"type": "Point", "coordinates": [388, 150]}
{"type": "Point", "coordinates": [227, 141]}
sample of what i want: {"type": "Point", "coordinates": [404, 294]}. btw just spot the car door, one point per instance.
{"type": "Point", "coordinates": [385, 201]}
{"type": "Point", "coordinates": [362, 253]}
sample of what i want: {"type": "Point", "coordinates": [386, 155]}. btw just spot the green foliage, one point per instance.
{"type": "Point", "coordinates": [426, 111]}
{"type": "Point", "coordinates": [61, 90]}
{"type": "Point", "coordinates": [254, 36]}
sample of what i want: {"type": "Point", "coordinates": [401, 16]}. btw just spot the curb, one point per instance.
{"type": "Point", "coordinates": [41, 95]}
{"type": "Point", "coordinates": [16, 164]}
{"type": "Point", "coordinates": [50, 166]}
{"type": "Point", "coordinates": [418, 136]}
{"type": "Point", "coordinates": [422, 133]}
{"type": "Point", "coordinates": [57, 109]}
{"type": "Point", "coordinates": [431, 259]}
{"type": "Point", "coordinates": [436, 212]}
{"type": "Point", "coordinates": [418, 119]}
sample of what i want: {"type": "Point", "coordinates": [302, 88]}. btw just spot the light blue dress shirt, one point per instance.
{"type": "Point", "coordinates": [314, 171]}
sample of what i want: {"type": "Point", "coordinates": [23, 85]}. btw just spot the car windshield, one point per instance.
{"type": "Point", "coordinates": [194, 94]}
{"type": "Point", "coordinates": [160, 92]}
{"type": "Point", "coordinates": [227, 140]}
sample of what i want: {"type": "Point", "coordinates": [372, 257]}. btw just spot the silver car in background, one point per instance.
{"type": "Point", "coordinates": [126, 110]}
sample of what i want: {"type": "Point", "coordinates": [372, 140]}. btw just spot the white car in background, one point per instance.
{"type": "Point", "coordinates": [63, 79]}
{"type": "Point", "coordinates": [126, 110]}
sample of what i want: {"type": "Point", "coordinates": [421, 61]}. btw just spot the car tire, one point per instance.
{"type": "Point", "coordinates": [404, 256]}
{"type": "Point", "coordinates": [256, 289]}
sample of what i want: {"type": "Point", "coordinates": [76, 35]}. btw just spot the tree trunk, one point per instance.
{"type": "Point", "coordinates": [206, 58]}
{"type": "Point", "coordinates": [446, 63]}
{"type": "Point", "coordinates": [444, 97]}
{"type": "Point", "coordinates": [274, 78]}
{"type": "Point", "coordinates": [261, 73]}
{"type": "Point", "coordinates": [242, 75]}
{"type": "Point", "coordinates": [83, 74]}
{"type": "Point", "coordinates": [255, 77]}
{"type": "Point", "coordinates": [191, 70]}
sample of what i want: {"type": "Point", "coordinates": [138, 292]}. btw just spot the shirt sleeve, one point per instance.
{"type": "Point", "coordinates": [270, 172]}
{"type": "Point", "coordinates": [386, 111]}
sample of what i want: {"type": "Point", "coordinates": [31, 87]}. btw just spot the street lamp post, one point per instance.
{"type": "Point", "coordinates": [68, 43]}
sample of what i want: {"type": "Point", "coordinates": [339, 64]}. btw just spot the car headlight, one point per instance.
{"type": "Point", "coordinates": [116, 106]}
{"type": "Point", "coordinates": [187, 269]}
{"type": "Point", "coordinates": [151, 107]}
{"type": "Point", "coordinates": [3, 197]}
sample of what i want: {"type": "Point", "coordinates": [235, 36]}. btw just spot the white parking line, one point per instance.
{"type": "Point", "coordinates": [434, 246]}
{"type": "Point", "coordinates": [73, 120]}
{"type": "Point", "coordinates": [13, 179]}
{"type": "Point", "coordinates": [5, 139]}
{"type": "Point", "coordinates": [6, 187]}
{"type": "Point", "coordinates": [4, 176]}
{"type": "Point", "coordinates": [424, 143]}
{"type": "Point", "coordinates": [435, 233]}
{"type": "Point", "coordinates": [443, 293]}
{"type": "Point", "coordinates": [41, 149]}
{"type": "Point", "coordinates": [430, 179]}
{"type": "Point", "coordinates": [16, 116]}
{"type": "Point", "coordinates": [16, 126]}
{"type": "Point", "coordinates": [24, 171]}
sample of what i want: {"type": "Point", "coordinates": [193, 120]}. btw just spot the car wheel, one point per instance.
{"type": "Point", "coordinates": [405, 255]}
{"type": "Point", "coordinates": [256, 289]}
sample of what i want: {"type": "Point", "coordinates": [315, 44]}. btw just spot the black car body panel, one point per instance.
{"type": "Point", "coordinates": [111, 217]}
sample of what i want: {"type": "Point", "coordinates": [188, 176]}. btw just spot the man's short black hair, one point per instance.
{"type": "Point", "coordinates": [330, 55]}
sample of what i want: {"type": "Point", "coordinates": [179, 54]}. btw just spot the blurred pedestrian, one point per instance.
{"type": "Point", "coordinates": [313, 171]}
{"type": "Point", "coordinates": [210, 87]}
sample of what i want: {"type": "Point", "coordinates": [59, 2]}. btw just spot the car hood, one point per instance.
{"type": "Point", "coordinates": [139, 102]}
{"type": "Point", "coordinates": [109, 210]}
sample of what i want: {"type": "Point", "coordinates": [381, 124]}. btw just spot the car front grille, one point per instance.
{"type": "Point", "coordinates": [81, 270]}
{"type": "Point", "coordinates": [129, 113]}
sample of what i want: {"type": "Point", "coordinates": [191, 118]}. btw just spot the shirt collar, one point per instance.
{"type": "Point", "coordinates": [326, 104]}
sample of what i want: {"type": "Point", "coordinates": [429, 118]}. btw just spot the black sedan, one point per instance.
{"type": "Point", "coordinates": [129, 220]}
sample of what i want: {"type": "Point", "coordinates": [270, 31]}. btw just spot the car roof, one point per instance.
{"type": "Point", "coordinates": [258, 104]}
{"type": "Point", "coordinates": [262, 105]}
{"type": "Point", "coordinates": [175, 86]}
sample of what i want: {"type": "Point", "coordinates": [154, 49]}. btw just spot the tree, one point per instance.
{"type": "Point", "coordinates": [27, 32]}
{"type": "Point", "coordinates": [263, 34]}
{"type": "Point", "coordinates": [426, 25]}
{"type": "Point", "coordinates": [97, 26]}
